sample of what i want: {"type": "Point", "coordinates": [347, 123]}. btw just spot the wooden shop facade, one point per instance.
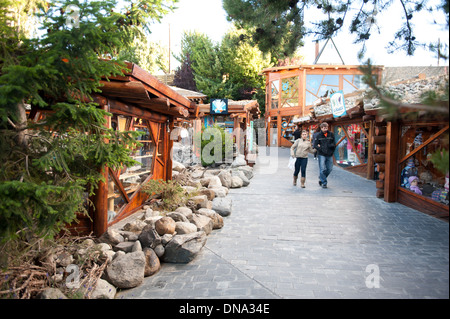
{"type": "Point", "coordinates": [237, 121]}
{"type": "Point", "coordinates": [137, 101]}
{"type": "Point", "coordinates": [394, 153]}
{"type": "Point", "coordinates": [292, 91]}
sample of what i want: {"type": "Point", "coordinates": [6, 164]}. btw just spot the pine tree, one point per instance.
{"type": "Point", "coordinates": [50, 167]}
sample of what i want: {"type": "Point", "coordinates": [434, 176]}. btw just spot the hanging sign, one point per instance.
{"type": "Point", "coordinates": [338, 104]}
{"type": "Point", "coordinates": [218, 106]}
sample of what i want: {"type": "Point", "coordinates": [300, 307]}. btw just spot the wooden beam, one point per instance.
{"type": "Point", "coordinates": [430, 139]}
{"type": "Point", "coordinates": [130, 110]}
{"type": "Point", "coordinates": [391, 170]}
{"type": "Point", "coordinates": [370, 162]}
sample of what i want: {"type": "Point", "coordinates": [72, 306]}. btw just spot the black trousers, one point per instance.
{"type": "Point", "coordinates": [300, 165]}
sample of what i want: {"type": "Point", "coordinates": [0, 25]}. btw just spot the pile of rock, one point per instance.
{"type": "Point", "coordinates": [137, 249]}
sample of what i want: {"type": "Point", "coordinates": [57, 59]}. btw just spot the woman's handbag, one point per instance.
{"type": "Point", "coordinates": [291, 164]}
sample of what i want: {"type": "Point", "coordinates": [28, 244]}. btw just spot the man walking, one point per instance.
{"type": "Point", "coordinates": [325, 146]}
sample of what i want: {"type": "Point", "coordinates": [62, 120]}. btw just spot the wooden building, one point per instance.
{"type": "Point", "coordinates": [238, 121]}
{"type": "Point", "coordinates": [138, 101]}
{"type": "Point", "coordinates": [390, 151]}
{"type": "Point", "coordinates": [292, 92]}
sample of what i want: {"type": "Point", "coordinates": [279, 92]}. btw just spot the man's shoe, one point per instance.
{"type": "Point", "coordinates": [320, 182]}
{"type": "Point", "coordinates": [324, 185]}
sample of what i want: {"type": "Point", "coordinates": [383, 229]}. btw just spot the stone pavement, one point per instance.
{"type": "Point", "coordinates": [283, 241]}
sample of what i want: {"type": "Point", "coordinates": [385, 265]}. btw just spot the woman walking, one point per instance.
{"type": "Point", "coordinates": [300, 150]}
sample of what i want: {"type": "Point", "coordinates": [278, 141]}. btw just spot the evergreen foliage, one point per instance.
{"type": "Point", "coordinates": [51, 166]}
{"type": "Point", "coordinates": [278, 26]}
{"type": "Point", "coordinates": [226, 70]}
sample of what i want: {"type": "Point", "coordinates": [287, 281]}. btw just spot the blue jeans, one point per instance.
{"type": "Point", "coordinates": [325, 167]}
{"type": "Point", "coordinates": [300, 164]}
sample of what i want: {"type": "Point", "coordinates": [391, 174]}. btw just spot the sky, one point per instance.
{"type": "Point", "coordinates": [209, 17]}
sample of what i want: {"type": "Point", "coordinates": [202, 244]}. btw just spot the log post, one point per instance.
{"type": "Point", "coordinates": [391, 178]}
{"type": "Point", "coordinates": [100, 199]}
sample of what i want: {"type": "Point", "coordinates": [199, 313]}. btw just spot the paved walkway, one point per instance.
{"type": "Point", "coordinates": [287, 242]}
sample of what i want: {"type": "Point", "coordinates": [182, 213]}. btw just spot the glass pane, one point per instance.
{"type": "Point", "coordinates": [289, 92]}
{"type": "Point", "coordinates": [313, 82]}
{"type": "Point", "coordinates": [130, 178]}
{"type": "Point", "coordinates": [274, 94]}
{"type": "Point", "coordinates": [349, 152]}
{"type": "Point", "coordinates": [417, 173]}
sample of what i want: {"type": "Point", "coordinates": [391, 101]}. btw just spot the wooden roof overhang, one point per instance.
{"type": "Point", "coordinates": [138, 93]}
{"type": "Point", "coordinates": [244, 109]}
{"type": "Point", "coordinates": [337, 67]}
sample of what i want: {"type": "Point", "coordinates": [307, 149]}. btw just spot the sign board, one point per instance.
{"type": "Point", "coordinates": [218, 106]}
{"type": "Point", "coordinates": [338, 104]}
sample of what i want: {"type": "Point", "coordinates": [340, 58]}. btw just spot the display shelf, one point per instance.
{"type": "Point", "coordinates": [128, 175]}
{"type": "Point", "coordinates": [141, 156]}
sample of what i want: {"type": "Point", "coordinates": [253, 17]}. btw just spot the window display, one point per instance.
{"type": "Point", "coordinates": [124, 183]}
{"type": "Point", "coordinates": [417, 172]}
{"type": "Point", "coordinates": [289, 92]}
{"type": "Point", "coordinates": [351, 145]}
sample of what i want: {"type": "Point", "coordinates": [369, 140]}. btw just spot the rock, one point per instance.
{"type": "Point", "coordinates": [205, 181]}
{"type": "Point", "coordinates": [239, 161]}
{"type": "Point", "coordinates": [212, 172]}
{"type": "Point", "coordinates": [87, 243]}
{"type": "Point", "coordinates": [165, 225]}
{"type": "Point", "coordinates": [103, 290]}
{"type": "Point", "coordinates": [225, 178]}
{"type": "Point", "coordinates": [127, 271]}
{"type": "Point", "coordinates": [197, 172]}
{"type": "Point", "coordinates": [185, 228]}
{"type": "Point", "coordinates": [203, 223]}
{"type": "Point", "coordinates": [236, 182]}
{"type": "Point", "coordinates": [185, 211]}
{"type": "Point", "coordinates": [222, 206]}
{"type": "Point", "coordinates": [52, 293]}
{"type": "Point", "coordinates": [112, 237]}
{"type": "Point", "coordinates": [200, 201]}
{"type": "Point", "coordinates": [209, 192]}
{"type": "Point", "coordinates": [189, 189]}
{"type": "Point", "coordinates": [184, 248]}
{"type": "Point", "coordinates": [214, 181]}
{"type": "Point", "coordinates": [220, 191]}
{"type": "Point", "coordinates": [125, 246]}
{"type": "Point", "coordinates": [166, 238]}
{"type": "Point", "coordinates": [135, 226]}
{"type": "Point", "coordinates": [247, 170]}
{"type": "Point", "coordinates": [152, 263]}
{"type": "Point", "coordinates": [241, 175]}
{"type": "Point", "coordinates": [178, 217]}
{"type": "Point", "coordinates": [64, 259]}
{"type": "Point", "coordinates": [129, 235]}
{"type": "Point", "coordinates": [215, 217]}
{"type": "Point", "coordinates": [137, 246]}
{"type": "Point", "coordinates": [159, 250]}
{"type": "Point", "coordinates": [177, 166]}
{"type": "Point", "coordinates": [152, 220]}
{"type": "Point", "coordinates": [149, 237]}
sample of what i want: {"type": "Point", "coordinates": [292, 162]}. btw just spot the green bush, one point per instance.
{"type": "Point", "coordinates": [171, 193]}
{"type": "Point", "coordinates": [216, 145]}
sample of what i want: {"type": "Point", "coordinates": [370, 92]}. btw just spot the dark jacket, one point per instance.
{"type": "Point", "coordinates": [327, 144]}
{"type": "Point", "coordinates": [297, 134]}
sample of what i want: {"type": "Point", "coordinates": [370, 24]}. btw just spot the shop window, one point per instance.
{"type": "Point", "coordinates": [289, 92]}
{"type": "Point", "coordinates": [318, 86]}
{"type": "Point", "coordinates": [274, 95]}
{"type": "Point", "coordinates": [287, 128]}
{"type": "Point", "coordinates": [352, 145]}
{"type": "Point", "coordinates": [417, 172]}
{"type": "Point", "coordinates": [353, 83]}
{"type": "Point", "coordinates": [124, 183]}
